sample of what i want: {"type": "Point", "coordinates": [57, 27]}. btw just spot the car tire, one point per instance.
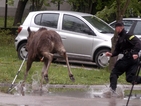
{"type": "Point", "coordinates": [22, 53]}
{"type": "Point", "coordinates": [101, 59]}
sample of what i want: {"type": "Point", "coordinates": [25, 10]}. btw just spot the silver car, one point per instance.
{"type": "Point", "coordinates": [84, 36]}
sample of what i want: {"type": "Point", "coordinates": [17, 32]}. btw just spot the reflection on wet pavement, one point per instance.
{"type": "Point", "coordinates": [65, 97]}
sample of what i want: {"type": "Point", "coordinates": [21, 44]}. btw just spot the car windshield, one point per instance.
{"type": "Point", "coordinates": [98, 24]}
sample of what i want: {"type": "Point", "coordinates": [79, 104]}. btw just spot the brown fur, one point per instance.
{"type": "Point", "coordinates": [40, 46]}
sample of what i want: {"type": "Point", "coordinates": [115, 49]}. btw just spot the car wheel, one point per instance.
{"type": "Point", "coordinates": [22, 53]}
{"type": "Point", "coordinates": [101, 59]}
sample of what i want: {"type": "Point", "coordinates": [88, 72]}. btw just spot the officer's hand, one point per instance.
{"type": "Point", "coordinates": [108, 54]}
{"type": "Point", "coordinates": [135, 56]}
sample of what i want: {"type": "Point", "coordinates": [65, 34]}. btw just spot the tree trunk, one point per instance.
{"type": "Point", "coordinates": [120, 13]}
{"type": "Point", "coordinates": [19, 12]}
{"type": "Point", "coordinates": [113, 59]}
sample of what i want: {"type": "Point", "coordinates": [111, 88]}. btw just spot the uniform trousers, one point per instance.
{"type": "Point", "coordinates": [127, 65]}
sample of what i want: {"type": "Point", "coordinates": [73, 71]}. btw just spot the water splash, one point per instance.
{"type": "Point", "coordinates": [33, 88]}
{"type": "Point", "coordinates": [35, 82]}
{"type": "Point", "coordinates": [95, 93]}
{"type": "Point", "coordinates": [106, 92]}
{"type": "Point", "coordinates": [18, 89]}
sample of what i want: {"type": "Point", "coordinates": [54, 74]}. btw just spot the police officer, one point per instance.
{"type": "Point", "coordinates": [128, 45]}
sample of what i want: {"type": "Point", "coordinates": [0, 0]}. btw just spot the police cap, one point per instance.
{"type": "Point", "coordinates": [119, 24]}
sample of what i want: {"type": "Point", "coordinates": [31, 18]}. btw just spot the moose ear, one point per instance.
{"type": "Point", "coordinates": [28, 29]}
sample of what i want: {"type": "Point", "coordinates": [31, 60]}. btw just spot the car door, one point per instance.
{"type": "Point", "coordinates": [77, 37]}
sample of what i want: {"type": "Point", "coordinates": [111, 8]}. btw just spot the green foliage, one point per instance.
{"type": "Point", "coordinates": [102, 3]}
{"type": "Point", "coordinates": [81, 5]}
{"type": "Point", "coordinates": [10, 2]}
{"type": "Point", "coordinates": [57, 1]}
{"type": "Point", "coordinates": [108, 13]}
{"type": "Point", "coordinates": [134, 9]}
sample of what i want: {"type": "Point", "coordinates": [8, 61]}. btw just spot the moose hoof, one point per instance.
{"type": "Point", "coordinates": [41, 92]}
{"type": "Point", "coordinates": [22, 89]}
{"type": "Point", "coordinates": [46, 78]}
{"type": "Point", "coordinates": [72, 78]}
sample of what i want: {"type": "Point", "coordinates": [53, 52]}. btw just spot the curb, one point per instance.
{"type": "Point", "coordinates": [125, 87]}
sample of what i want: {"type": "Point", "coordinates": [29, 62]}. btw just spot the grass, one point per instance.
{"type": "Point", "coordinates": [10, 21]}
{"type": "Point", "coordinates": [9, 65]}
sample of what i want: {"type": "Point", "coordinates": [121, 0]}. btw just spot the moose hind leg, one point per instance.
{"type": "Point", "coordinates": [47, 61]}
{"type": "Point", "coordinates": [68, 66]}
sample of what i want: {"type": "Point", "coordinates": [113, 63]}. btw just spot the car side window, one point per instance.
{"type": "Point", "coordinates": [47, 19]}
{"type": "Point", "coordinates": [72, 23]}
{"type": "Point", "coordinates": [137, 30]}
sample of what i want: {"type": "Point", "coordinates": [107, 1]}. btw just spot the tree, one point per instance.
{"type": "Point", "coordinates": [19, 12]}
{"type": "Point", "coordinates": [36, 4]}
{"type": "Point", "coordinates": [58, 2]}
{"type": "Point", "coordinates": [82, 5]}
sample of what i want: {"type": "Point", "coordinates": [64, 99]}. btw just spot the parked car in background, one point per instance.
{"type": "Point", "coordinates": [85, 37]}
{"type": "Point", "coordinates": [128, 25]}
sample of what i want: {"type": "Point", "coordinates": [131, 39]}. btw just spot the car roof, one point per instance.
{"type": "Point", "coordinates": [125, 19]}
{"type": "Point", "coordinates": [63, 12]}
{"type": "Point", "coordinates": [131, 19]}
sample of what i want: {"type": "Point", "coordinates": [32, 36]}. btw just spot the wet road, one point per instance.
{"type": "Point", "coordinates": [53, 100]}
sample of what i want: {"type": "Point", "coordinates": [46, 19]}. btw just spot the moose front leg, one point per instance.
{"type": "Point", "coordinates": [42, 75]}
{"type": "Point", "coordinates": [28, 66]}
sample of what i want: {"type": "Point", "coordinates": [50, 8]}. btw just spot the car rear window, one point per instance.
{"type": "Point", "coordinates": [128, 24]}
{"type": "Point", "coordinates": [137, 30]}
{"type": "Point", "coordinates": [47, 19]}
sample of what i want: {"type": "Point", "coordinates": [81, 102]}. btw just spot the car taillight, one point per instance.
{"type": "Point", "coordinates": [19, 29]}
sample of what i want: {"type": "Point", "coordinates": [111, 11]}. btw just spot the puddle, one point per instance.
{"type": "Point", "coordinates": [90, 92]}
{"type": "Point", "coordinates": [81, 95]}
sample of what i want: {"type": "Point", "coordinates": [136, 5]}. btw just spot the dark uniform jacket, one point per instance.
{"type": "Point", "coordinates": [127, 43]}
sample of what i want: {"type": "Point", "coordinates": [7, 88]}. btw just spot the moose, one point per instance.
{"type": "Point", "coordinates": [41, 46]}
